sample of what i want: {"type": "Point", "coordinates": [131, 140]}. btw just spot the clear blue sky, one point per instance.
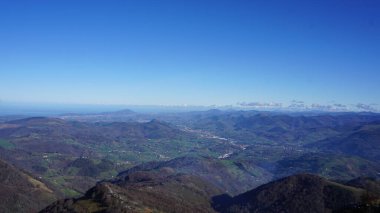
{"type": "Point", "coordinates": [189, 52]}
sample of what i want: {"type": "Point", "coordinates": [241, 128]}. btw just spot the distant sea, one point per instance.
{"type": "Point", "coordinates": [59, 109]}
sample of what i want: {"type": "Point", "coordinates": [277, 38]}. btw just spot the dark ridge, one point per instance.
{"type": "Point", "coordinates": [144, 192]}
{"type": "Point", "coordinates": [298, 193]}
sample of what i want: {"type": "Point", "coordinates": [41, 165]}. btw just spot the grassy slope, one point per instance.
{"type": "Point", "coordinates": [21, 192]}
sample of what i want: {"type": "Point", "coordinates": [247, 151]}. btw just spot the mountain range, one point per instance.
{"type": "Point", "coordinates": [224, 161]}
{"type": "Point", "coordinates": [164, 191]}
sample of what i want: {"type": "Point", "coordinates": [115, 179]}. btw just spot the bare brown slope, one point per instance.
{"type": "Point", "coordinates": [20, 192]}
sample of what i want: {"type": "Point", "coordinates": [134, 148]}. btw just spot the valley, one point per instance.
{"type": "Point", "coordinates": [230, 151]}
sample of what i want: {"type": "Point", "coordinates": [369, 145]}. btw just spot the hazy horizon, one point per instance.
{"type": "Point", "coordinates": [54, 109]}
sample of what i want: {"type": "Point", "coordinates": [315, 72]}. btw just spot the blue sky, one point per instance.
{"type": "Point", "coordinates": [190, 52]}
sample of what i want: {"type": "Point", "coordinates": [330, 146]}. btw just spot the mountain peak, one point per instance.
{"type": "Point", "coordinates": [297, 193]}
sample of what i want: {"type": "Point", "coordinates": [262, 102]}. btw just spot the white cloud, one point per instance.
{"type": "Point", "coordinates": [365, 107]}
{"type": "Point", "coordinates": [297, 105]}
{"type": "Point", "coordinates": [261, 104]}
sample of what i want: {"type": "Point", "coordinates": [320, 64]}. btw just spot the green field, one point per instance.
{"type": "Point", "coordinates": [6, 144]}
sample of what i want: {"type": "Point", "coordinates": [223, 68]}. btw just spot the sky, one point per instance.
{"type": "Point", "coordinates": [198, 52]}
